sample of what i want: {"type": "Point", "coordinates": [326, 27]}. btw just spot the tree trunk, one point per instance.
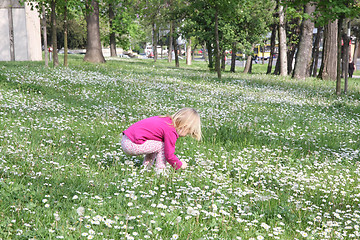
{"type": "Point", "coordinates": [223, 60]}
{"type": "Point", "coordinates": [65, 36]}
{"type": "Point", "coordinates": [217, 47]}
{"type": "Point", "coordinates": [112, 31]}
{"type": "Point", "coordinates": [210, 55]}
{"type": "Point", "coordinates": [338, 65]}
{"type": "Point", "coordinates": [315, 53]}
{"type": "Point", "coordinates": [193, 52]}
{"type": "Point", "coordinates": [53, 34]}
{"type": "Point", "coordinates": [290, 58]}
{"type": "Point", "coordinates": [170, 42]}
{"type": "Point", "coordinates": [188, 52]}
{"type": "Point", "coordinates": [177, 64]}
{"type": "Point", "coordinates": [272, 48]}
{"type": "Point", "coordinates": [11, 33]}
{"type": "Point", "coordinates": [154, 33]}
{"type": "Point", "coordinates": [45, 36]}
{"type": "Point", "coordinates": [355, 56]}
{"type": "Point", "coordinates": [329, 56]}
{"type": "Point", "coordinates": [303, 56]}
{"type": "Point", "coordinates": [162, 50]}
{"type": "Point", "coordinates": [282, 43]}
{"type": "Point", "coordinates": [93, 49]}
{"type": "Point", "coordinates": [248, 65]}
{"type": "Point", "coordinates": [233, 57]}
{"type": "Point", "coordinates": [346, 55]}
{"type": "Point", "coordinates": [277, 67]}
{"type": "Point", "coordinates": [205, 56]}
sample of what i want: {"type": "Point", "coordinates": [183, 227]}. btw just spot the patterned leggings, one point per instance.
{"type": "Point", "coordinates": [151, 148]}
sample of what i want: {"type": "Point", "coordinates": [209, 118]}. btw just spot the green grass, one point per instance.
{"type": "Point", "coordinates": [279, 158]}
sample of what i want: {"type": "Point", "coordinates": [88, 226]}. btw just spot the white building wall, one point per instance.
{"type": "Point", "coordinates": [20, 34]}
{"type": "Point", "coordinates": [4, 36]}
{"type": "Point", "coordinates": [34, 34]}
{"type": "Point", "coordinates": [27, 32]}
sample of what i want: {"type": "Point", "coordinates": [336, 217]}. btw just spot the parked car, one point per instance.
{"type": "Point", "coordinates": [149, 51]}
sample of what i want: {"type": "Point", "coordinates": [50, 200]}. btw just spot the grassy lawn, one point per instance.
{"type": "Point", "coordinates": [279, 158]}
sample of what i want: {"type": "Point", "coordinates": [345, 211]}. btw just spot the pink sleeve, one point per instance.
{"type": "Point", "coordinates": [169, 149]}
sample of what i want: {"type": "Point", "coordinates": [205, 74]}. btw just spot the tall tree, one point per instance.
{"type": "Point", "coordinates": [170, 48]}
{"type": "Point", "coordinates": [152, 14]}
{"type": "Point", "coordinates": [65, 33]}
{"type": "Point", "coordinates": [338, 65]}
{"type": "Point", "coordinates": [282, 42]}
{"type": "Point", "coordinates": [294, 16]}
{"type": "Point", "coordinates": [303, 56]}
{"type": "Point", "coordinates": [53, 34]}
{"type": "Point", "coordinates": [112, 31]}
{"type": "Point", "coordinates": [123, 29]}
{"type": "Point", "coordinates": [346, 40]}
{"type": "Point", "coordinates": [188, 52]}
{"type": "Point", "coordinates": [233, 56]}
{"type": "Point", "coordinates": [93, 49]}
{"type": "Point", "coordinates": [272, 48]}
{"type": "Point", "coordinates": [43, 22]}
{"type": "Point", "coordinates": [328, 68]}
{"type": "Point", "coordinates": [175, 45]}
{"type": "Point", "coordinates": [315, 53]}
{"type": "Point", "coordinates": [326, 13]}
{"type": "Point", "coordinates": [217, 43]}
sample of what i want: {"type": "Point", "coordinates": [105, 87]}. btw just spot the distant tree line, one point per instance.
{"type": "Point", "coordinates": [216, 26]}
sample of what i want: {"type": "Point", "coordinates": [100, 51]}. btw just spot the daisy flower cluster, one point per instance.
{"type": "Point", "coordinates": [278, 159]}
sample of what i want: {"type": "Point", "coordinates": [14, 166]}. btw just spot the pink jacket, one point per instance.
{"type": "Point", "coordinates": [159, 129]}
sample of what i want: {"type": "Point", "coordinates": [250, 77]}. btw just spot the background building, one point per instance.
{"type": "Point", "coordinates": [20, 32]}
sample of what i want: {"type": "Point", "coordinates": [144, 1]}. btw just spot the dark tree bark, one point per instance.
{"type": "Point", "coordinates": [112, 32]}
{"type": "Point", "coordinates": [303, 56]}
{"type": "Point", "coordinates": [315, 53]}
{"type": "Point", "coordinates": [43, 21]}
{"type": "Point", "coordinates": [290, 57]}
{"type": "Point", "coordinates": [282, 43]}
{"type": "Point", "coordinates": [233, 57]}
{"type": "Point", "coordinates": [272, 48]}
{"type": "Point", "coordinates": [11, 33]}
{"type": "Point", "coordinates": [328, 69]}
{"type": "Point", "coordinates": [346, 55]}
{"type": "Point", "coordinates": [93, 49]}
{"type": "Point", "coordinates": [53, 34]}
{"type": "Point", "coordinates": [248, 65]}
{"type": "Point", "coordinates": [65, 35]}
{"type": "Point", "coordinates": [210, 55]}
{"type": "Point", "coordinates": [170, 42]}
{"type": "Point", "coordinates": [176, 50]}
{"type": "Point", "coordinates": [217, 45]}
{"type": "Point", "coordinates": [188, 52]}
{"type": "Point", "coordinates": [338, 75]}
{"type": "Point", "coordinates": [277, 67]}
{"type": "Point", "coordinates": [223, 60]}
{"type": "Point", "coordinates": [154, 33]}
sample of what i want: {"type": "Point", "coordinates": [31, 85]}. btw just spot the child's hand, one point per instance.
{"type": "Point", "coordinates": [184, 165]}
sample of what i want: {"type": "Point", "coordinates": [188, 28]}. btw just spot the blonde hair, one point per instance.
{"type": "Point", "coordinates": [188, 119]}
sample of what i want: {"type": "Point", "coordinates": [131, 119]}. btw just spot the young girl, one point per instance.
{"type": "Point", "coordinates": [156, 137]}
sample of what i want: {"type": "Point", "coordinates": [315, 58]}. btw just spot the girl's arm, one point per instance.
{"type": "Point", "coordinates": [169, 149]}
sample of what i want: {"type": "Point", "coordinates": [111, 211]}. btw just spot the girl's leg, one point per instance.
{"type": "Point", "coordinates": [152, 149]}
{"type": "Point", "coordinates": [149, 159]}
{"type": "Point", "coordinates": [160, 159]}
